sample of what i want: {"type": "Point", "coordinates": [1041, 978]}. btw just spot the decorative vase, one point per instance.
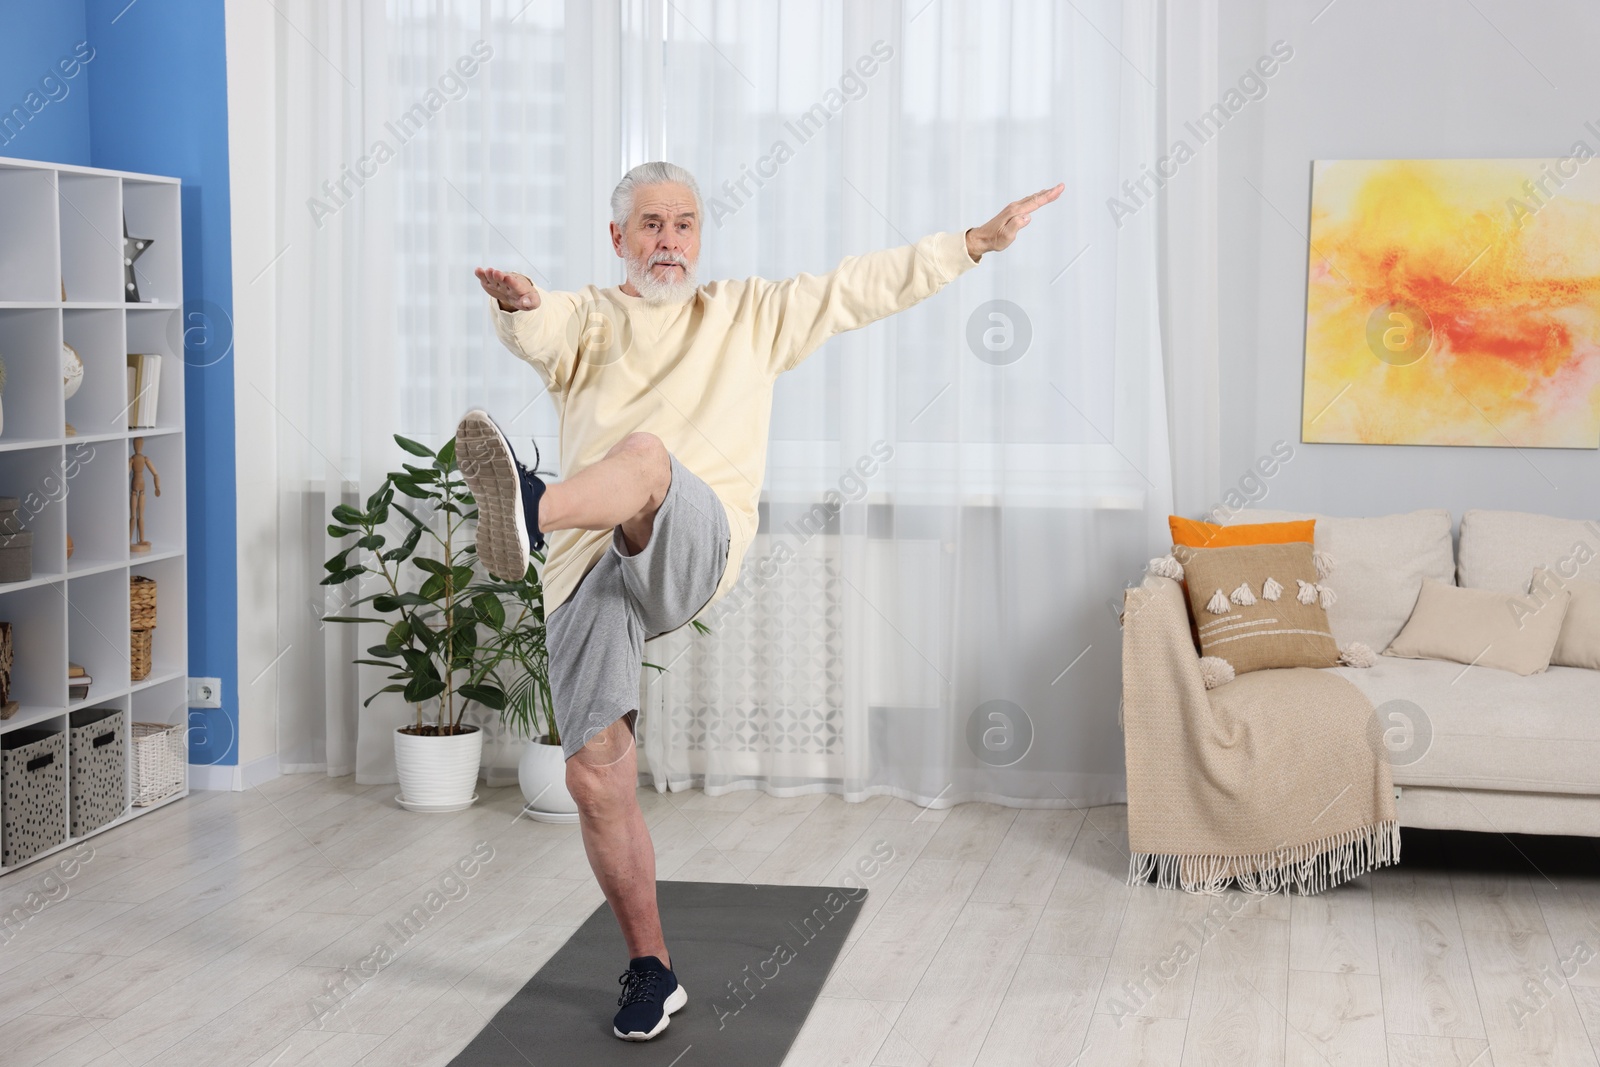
{"type": "Point", "coordinates": [542, 774]}
{"type": "Point", "coordinates": [438, 773]}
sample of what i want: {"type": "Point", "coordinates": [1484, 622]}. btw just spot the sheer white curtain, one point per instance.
{"type": "Point", "coordinates": [414, 142]}
{"type": "Point", "coordinates": [999, 452]}
{"type": "Point", "coordinates": [1189, 260]}
{"type": "Point", "coordinates": [331, 382]}
{"type": "Point", "coordinates": [945, 637]}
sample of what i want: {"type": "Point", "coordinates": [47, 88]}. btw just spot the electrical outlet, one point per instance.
{"type": "Point", "coordinates": [205, 692]}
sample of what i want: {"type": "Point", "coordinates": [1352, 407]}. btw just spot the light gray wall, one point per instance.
{"type": "Point", "coordinates": [1376, 79]}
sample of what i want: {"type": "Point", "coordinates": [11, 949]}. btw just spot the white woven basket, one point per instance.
{"type": "Point", "coordinates": [158, 761]}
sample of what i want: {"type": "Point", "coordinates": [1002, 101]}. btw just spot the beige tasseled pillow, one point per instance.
{"type": "Point", "coordinates": [1259, 606]}
{"type": "Point", "coordinates": [1482, 627]}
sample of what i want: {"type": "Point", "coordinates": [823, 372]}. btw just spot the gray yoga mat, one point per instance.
{"type": "Point", "coordinates": [774, 944]}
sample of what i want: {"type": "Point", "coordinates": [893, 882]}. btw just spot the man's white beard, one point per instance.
{"type": "Point", "coordinates": [654, 290]}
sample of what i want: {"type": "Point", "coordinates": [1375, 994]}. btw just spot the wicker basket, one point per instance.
{"type": "Point", "coordinates": [142, 602]}
{"type": "Point", "coordinates": [159, 761]}
{"type": "Point", "coordinates": [139, 654]}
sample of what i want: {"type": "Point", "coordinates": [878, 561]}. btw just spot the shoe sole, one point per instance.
{"type": "Point", "coordinates": [677, 1000]}
{"type": "Point", "coordinates": [490, 470]}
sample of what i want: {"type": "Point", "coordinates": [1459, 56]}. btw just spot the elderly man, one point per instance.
{"type": "Point", "coordinates": [664, 387]}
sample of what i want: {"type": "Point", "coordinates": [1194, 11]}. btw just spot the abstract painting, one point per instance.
{"type": "Point", "coordinates": [1454, 302]}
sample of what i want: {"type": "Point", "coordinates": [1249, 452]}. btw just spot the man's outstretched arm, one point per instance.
{"type": "Point", "coordinates": [798, 314]}
{"type": "Point", "coordinates": [539, 329]}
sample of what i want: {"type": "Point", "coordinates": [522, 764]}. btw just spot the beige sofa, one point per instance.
{"type": "Point", "coordinates": [1472, 748]}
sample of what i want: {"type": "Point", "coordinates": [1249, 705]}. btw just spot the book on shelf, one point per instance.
{"type": "Point", "coordinates": [144, 388]}
{"type": "Point", "coordinates": [75, 670]}
{"type": "Point", "coordinates": [78, 687]}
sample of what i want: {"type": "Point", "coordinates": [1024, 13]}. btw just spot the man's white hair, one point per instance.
{"type": "Point", "coordinates": [622, 197]}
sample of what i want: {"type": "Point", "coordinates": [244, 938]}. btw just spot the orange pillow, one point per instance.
{"type": "Point", "coordinates": [1191, 533]}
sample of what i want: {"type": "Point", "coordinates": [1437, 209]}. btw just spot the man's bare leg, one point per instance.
{"type": "Point", "coordinates": [602, 778]}
{"type": "Point", "coordinates": [626, 488]}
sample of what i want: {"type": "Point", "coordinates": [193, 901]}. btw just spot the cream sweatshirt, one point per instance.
{"type": "Point", "coordinates": [699, 374]}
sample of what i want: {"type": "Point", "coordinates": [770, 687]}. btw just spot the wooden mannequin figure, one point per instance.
{"type": "Point", "coordinates": [138, 463]}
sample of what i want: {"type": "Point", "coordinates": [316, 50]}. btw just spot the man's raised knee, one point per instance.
{"type": "Point", "coordinates": [640, 441]}
{"type": "Point", "coordinates": [649, 448]}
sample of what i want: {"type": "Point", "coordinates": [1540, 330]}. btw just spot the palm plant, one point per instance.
{"type": "Point", "coordinates": [512, 668]}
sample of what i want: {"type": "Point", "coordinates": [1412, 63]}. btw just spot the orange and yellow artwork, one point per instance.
{"type": "Point", "coordinates": [1454, 302]}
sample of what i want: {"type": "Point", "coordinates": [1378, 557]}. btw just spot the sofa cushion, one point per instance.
{"type": "Point", "coordinates": [1500, 549]}
{"type": "Point", "coordinates": [1480, 728]}
{"type": "Point", "coordinates": [1379, 565]}
{"type": "Point", "coordinates": [1247, 605]}
{"type": "Point", "coordinates": [1579, 643]}
{"type": "Point", "coordinates": [1483, 627]}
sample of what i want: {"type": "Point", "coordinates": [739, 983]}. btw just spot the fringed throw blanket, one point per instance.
{"type": "Point", "coordinates": [1277, 780]}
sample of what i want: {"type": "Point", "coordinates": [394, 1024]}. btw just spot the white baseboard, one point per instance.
{"type": "Point", "coordinates": [498, 777]}
{"type": "Point", "coordinates": [222, 776]}
{"type": "Point", "coordinates": [232, 777]}
{"type": "Point", "coordinates": [260, 770]}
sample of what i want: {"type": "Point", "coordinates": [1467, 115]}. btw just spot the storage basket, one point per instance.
{"type": "Point", "coordinates": [16, 544]}
{"type": "Point", "coordinates": [33, 776]}
{"type": "Point", "coordinates": [98, 786]}
{"type": "Point", "coordinates": [142, 602]}
{"type": "Point", "coordinates": [16, 556]}
{"type": "Point", "coordinates": [139, 653]}
{"type": "Point", "coordinates": [160, 759]}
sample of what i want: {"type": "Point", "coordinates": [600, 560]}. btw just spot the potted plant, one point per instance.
{"type": "Point", "coordinates": [430, 643]}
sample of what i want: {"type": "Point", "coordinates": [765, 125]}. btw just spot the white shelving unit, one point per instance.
{"type": "Point", "coordinates": [62, 226]}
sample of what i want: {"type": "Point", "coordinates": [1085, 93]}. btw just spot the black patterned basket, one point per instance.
{"type": "Point", "coordinates": [98, 786]}
{"type": "Point", "coordinates": [33, 777]}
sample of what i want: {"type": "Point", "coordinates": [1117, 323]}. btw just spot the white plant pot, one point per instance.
{"type": "Point", "coordinates": [542, 774]}
{"type": "Point", "coordinates": [438, 773]}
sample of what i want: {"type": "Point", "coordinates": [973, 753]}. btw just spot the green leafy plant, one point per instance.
{"type": "Point", "coordinates": [453, 638]}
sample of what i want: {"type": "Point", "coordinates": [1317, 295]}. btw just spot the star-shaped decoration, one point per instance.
{"type": "Point", "coordinates": [132, 249]}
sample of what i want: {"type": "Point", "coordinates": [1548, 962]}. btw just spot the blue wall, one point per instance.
{"type": "Point", "coordinates": [153, 98]}
{"type": "Point", "coordinates": [53, 123]}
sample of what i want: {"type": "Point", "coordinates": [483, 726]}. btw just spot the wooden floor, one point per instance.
{"type": "Point", "coordinates": [203, 934]}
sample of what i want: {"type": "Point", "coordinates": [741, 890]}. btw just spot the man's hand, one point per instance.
{"type": "Point", "coordinates": [514, 291]}
{"type": "Point", "coordinates": [1000, 231]}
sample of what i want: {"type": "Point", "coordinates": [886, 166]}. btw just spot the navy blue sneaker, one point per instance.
{"type": "Point", "coordinates": [507, 494]}
{"type": "Point", "coordinates": [650, 994]}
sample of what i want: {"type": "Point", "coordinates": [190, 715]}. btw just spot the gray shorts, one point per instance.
{"type": "Point", "coordinates": [596, 636]}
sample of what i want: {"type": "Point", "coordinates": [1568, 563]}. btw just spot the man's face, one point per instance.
{"type": "Point", "coordinates": [662, 242]}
